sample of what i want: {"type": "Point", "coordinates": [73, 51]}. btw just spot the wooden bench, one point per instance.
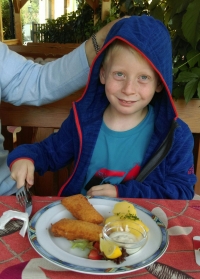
{"type": "Point", "coordinates": [43, 50]}
{"type": "Point", "coordinates": [39, 122]}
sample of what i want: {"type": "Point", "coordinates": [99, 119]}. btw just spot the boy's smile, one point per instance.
{"type": "Point", "coordinates": [126, 102]}
{"type": "Point", "coordinates": [130, 84]}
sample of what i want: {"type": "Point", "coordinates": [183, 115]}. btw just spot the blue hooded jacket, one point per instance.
{"type": "Point", "coordinates": [167, 168]}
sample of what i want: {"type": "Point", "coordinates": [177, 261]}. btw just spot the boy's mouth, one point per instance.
{"type": "Point", "coordinates": [126, 102]}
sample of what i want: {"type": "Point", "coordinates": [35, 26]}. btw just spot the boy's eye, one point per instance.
{"type": "Point", "coordinates": [143, 78]}
{"type": "Point", "coordinates": [118, 74]}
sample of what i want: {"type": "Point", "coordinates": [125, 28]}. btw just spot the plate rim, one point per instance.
{"type": "Point", "coordinates": [97, 271]}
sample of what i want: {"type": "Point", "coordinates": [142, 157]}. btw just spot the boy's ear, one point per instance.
{"type": "Point", "coordinates": [102, 75]}
{"type": "Point", "coordinates": [159, 87]}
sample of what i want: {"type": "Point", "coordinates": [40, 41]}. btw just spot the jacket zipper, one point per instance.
{"type": "Point", "coordinates": [159, 155]}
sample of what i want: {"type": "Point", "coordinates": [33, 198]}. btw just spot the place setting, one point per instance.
{"type": "Point", "coordinates": [80, 237]}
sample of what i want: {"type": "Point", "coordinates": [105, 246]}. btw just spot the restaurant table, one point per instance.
{"type": "Point", "coordinates": [182, 218]}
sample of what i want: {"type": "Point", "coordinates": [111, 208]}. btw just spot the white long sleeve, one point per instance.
{"type": "Point", "coordinates": [25, 82]}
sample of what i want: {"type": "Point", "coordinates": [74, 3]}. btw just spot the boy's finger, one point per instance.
{"type": "Point", "coordinates": [30, 178]}
{"type": "Point", "coordinates": [20, 182]}
{"type": "Point", "coordinates": [30, 174]}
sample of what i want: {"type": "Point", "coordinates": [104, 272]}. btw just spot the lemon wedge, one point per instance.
{"type": "Point", "coordinates": [109, 248]}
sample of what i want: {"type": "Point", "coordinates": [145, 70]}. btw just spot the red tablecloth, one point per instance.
{"type": "Point", "coordinates": [182, 219]}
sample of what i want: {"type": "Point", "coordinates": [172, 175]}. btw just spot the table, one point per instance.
{"type": "Point", "coordinates": [19, 260]}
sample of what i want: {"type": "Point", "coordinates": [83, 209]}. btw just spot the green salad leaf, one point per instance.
{"type": "Point", "coordinates": [82, 244]}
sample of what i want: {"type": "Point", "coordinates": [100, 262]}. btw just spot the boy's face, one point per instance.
{"type": "Point", "coordinates": [130, 82]}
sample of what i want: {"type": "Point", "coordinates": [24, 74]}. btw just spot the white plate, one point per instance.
{"type": "Point", "coordinates": [58, 250]}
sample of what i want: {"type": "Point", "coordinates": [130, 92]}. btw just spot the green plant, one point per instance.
{"type": "Point", "coordinates": [7, 19]}
{"type": "Point", "coordinates": [74, 27]}
{"type": "Point", "coordinates": [30, 12]}
{"type": "Point", "coordinates": [183, 21]}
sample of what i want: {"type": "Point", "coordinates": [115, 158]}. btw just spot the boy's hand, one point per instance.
{"type": "Point", "coordinates": [22, 172]}
{"type": "Point", "coordinates": [107, 190]}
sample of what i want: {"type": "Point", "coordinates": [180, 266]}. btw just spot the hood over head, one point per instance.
{"type": "Point", "coordinates": [151, 39]}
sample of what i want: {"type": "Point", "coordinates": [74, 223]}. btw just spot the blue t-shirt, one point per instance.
{"type": "Point", "coordinates": [117, 156]}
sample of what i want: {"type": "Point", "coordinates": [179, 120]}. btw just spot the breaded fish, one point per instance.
{"type": "Point", "coordinates": [76, 229]}
{"type": "Point", "coordinates": [81, 209]}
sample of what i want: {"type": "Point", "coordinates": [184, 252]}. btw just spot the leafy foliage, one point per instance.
{"type": "Point", "coordinates": [7, 20]}
{"type": "Point", "coordinates": [74, 27]}
{"type": "Point", "coordinates": [183, 21]}
{"type": "Point", "coordinates": [30, 11]}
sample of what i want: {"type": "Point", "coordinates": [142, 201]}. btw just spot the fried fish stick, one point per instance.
{"type": "Point", "coordinates": [76, 229]}
{"type": "Point", "coordinates": [81, 209]}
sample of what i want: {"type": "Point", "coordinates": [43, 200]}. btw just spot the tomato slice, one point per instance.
{"type": "Point", "coordinates": [96, 245]}
{"type": "Point", "coordinates": [94, 255]}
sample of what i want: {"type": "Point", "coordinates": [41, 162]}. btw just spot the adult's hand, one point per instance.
{"type": "Point", "coordinates": [22, 171]}
{"type": "Point", "coordinates": [100, 38]}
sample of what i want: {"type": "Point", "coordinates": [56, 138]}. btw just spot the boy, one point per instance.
{"type": "Point", "coordinates": [123, 134]}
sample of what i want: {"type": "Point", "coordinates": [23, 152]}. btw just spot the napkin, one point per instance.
{"type": "Point", "coordinates": [10, 214]}
{"type": "Point", "coordinates": [196, 245]}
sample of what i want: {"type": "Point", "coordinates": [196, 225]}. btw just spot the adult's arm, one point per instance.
{"type": "Point", "coordinates": [24, 82]}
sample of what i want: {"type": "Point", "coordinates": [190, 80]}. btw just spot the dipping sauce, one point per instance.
{"type": "Point", "coordinates": [125, 237]}
{"type": "Point", "coordinates": [129, 241]}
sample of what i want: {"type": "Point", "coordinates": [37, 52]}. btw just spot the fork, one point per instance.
{"type": "Point", "coordinates": [23, 195]}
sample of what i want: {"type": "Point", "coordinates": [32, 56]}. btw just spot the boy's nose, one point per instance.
{"type": "Point", "coordinates": [129, 87]}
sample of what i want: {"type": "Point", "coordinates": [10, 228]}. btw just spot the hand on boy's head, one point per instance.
{"type": "Point", "coordinates": [23, 171]}
{"type": "Point", "coordinates": [100, 38]}
{"type": "Point", "coordinates": [107, 190]}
